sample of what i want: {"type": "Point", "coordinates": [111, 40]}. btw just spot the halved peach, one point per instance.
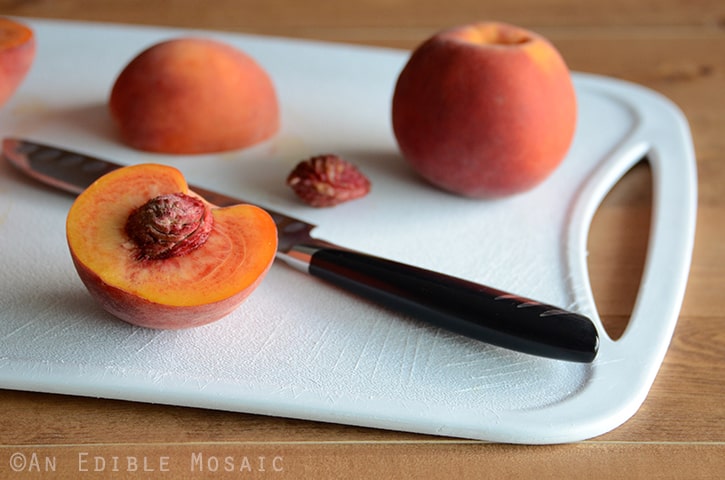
{"type": "Point", "coordinates": [155, 254]}
{"type": "Point", "coordinates": [194, 95]}
{"type": "Point", "coordinates": [17, 52]}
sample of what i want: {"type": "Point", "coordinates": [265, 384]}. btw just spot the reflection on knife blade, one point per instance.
{"type": "Point", "coordinates": [457, 305]}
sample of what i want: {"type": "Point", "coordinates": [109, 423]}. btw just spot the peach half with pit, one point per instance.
{"type": "Point", "coordinates": [17, 52]}
{"type": "Point", "coordinates": [192, 96]}
{"type": "Point", "coordinates": [155, 254]}
{"type": "Point", "coordinates": [485, 110]}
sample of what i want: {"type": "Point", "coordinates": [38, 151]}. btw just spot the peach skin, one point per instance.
{"type": "Point", "coordinates": [484, 110]}
{"type": "Point", "coordinates": [194, 95]}
{"type": "Point", "coordinates": [17, 52]}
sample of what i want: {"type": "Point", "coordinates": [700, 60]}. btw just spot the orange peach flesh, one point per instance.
{"type": "Point", "coordinates": [225, 265]}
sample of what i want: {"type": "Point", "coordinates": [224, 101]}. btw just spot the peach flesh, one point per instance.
{"type": "Point", "coordinates": [184, 291]}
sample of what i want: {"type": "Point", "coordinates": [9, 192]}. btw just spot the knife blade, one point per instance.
{"type": "Point", "coordinates": [457, 305]}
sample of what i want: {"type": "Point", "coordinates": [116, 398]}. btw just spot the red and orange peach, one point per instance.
{"type": "Point", "coordinates": [194, 95]}
{"type": "Point", "coordinates": [485, 110]}
{"type": "Point", "coordinates": [17, 52]}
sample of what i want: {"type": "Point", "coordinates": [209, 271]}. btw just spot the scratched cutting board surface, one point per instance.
{"type": "Point", "coordinates": [300, 348]}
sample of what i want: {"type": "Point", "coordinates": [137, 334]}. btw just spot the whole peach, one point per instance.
{"type": "Point", "coordinates": [485, 110]}
{"type": "Point", "coordinates": [17, 52]}
{"type": "Point", "coordinates": [194, 95]}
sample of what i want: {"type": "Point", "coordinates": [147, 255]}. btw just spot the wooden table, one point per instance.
{"type": "Point", "coordinates": [676, 48]}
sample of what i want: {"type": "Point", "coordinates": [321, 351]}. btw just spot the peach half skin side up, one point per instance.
{"type": "Point", "coordinates": [157, 255]}
{"type": "Point", "coordinates": [17, 53]}
{"type": "Point", "coordinates": [485, 110]}
{"type": "Point", "coordinates": [193, 96]}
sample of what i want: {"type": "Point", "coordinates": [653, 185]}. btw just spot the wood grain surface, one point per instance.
{"type": "Point", "coordinates": [676, 48]}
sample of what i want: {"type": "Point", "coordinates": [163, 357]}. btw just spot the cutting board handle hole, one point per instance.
{"type": "Point", "coordinates": [617, 247]}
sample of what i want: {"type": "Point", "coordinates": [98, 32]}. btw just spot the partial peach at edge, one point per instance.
{"type": "Point", "coordinates": [17, 53]}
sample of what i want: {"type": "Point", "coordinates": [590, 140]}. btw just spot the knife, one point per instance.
{"type": "Point", "coordinates": [476, 311]}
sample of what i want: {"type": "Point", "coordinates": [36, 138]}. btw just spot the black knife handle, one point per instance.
{"type": "Point", "coordinates": [460, 306]}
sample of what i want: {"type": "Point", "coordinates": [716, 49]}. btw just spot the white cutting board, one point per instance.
{"type": "Point", "coordinates": [299, 348]}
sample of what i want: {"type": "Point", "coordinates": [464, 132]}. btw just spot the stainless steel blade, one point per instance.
{"type": "Point", "coordinates": [74, 172]}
